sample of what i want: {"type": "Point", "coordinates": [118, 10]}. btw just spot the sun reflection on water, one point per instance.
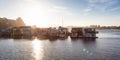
{"type": "Point", "coordinates": [37, 49]}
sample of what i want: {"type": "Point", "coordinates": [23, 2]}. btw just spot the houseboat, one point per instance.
{"type": "Point", "coordinates": [52, 33]}
{"type": "Point", "coordinates": [76, 32]}
{"type": "Point", "coordinates": [63, 32]}
{"type": "Point", "coordinates": [22, 31]}
{"type": "Point", "coordinates": [5, 32]}
{"type": "Point", "coordinates": [42, 33]}
{"type": "Point", "coordinates": [83, 33]}
{"type": "Point", "coordinates": [89, 32]}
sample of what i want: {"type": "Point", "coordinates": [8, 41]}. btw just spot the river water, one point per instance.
{"type": "Point", "coordinates": [106, 47]}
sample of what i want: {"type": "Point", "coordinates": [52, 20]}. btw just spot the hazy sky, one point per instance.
{"type": "Point", "coordinates": [71, 12]}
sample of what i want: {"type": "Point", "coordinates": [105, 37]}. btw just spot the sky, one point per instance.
{"type": "Point", "coordinates": [46, 13]}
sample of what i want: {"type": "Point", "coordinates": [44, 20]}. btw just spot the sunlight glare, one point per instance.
{"type": "Point", "coordinates": [37, 49]}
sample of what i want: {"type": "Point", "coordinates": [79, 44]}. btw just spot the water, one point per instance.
{"type": "Point", "coordinates": [106, 47]}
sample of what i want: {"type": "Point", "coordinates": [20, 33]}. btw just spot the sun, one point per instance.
{"type": "Point", "coordinates": [35, 14]}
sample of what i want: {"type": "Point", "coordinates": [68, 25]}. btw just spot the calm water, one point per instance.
{"type": "Point", "coordinates": [106, 47]}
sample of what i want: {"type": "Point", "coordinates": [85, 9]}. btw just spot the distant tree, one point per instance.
{"type": "Point", "coordinates": [5, 23]}
{"type": "Point", "coordinates": [20, 22]}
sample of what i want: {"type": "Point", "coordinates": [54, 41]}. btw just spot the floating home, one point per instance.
{"type": "Point", "coordinates": [52, 32]}
{"type": "Point", "coordinates": [23, 31]}
{"type": "Point", "coordinates": [42, 33]}
{"type": "Point", "coordinates": [83, 33]}
{"type": "Point", "coordinates": [6, 32]}
{"type": "Point", "coordinates": [63, 32]}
